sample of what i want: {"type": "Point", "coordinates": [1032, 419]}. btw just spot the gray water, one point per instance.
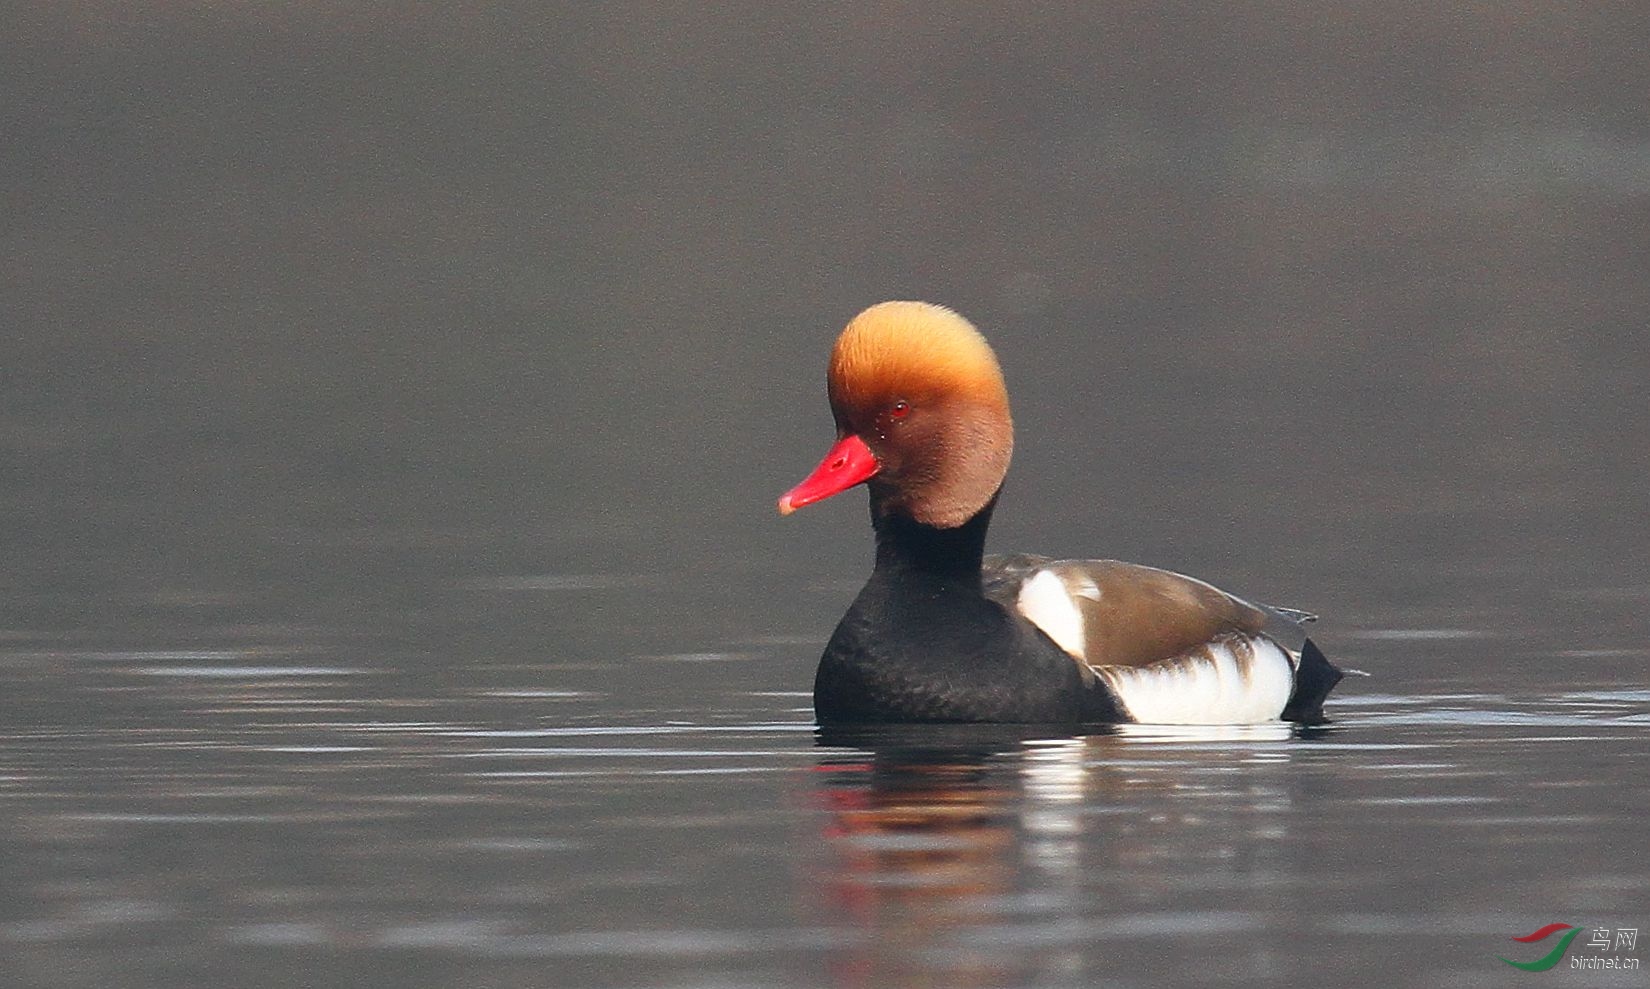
{"type": "Point", "coordinates": [393, 402]}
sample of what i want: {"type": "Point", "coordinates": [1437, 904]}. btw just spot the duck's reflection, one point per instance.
{"type": "Point", "coordinates": [964, 856]}
{"type": "Point", "coordinates": [925, 828]}
{"type": "Point", "coordinates": [913, 824]}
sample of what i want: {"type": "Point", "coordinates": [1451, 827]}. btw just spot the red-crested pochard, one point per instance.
{"type": "Point", "coordinates": [942, 632]}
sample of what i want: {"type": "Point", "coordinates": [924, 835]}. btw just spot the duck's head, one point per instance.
{"type": "Point", "coordinates": [921, 416]}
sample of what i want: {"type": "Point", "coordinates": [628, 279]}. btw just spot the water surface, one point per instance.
{"type": "Point", "coordinates": [296, 808]}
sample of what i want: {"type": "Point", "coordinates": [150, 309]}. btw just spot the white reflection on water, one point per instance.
{"type": "Point", "coordinates": [536, 694]}
{"type": "Point", "coordinates": [1417, 634]}
{"type": "Point", "coordinates": [609, 752]}
{"type": "Point", "coordinates": [179, 655]}
{"type": "Point", "coordinates": [247, 672]}
{"type": "Point", "coordinates": [506, 774]}
{"type": "Point", "coordinates": [1054, 780]}
{"type": "Point", "coordinates": [1276, 731]}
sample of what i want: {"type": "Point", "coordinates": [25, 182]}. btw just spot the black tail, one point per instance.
{"type": "Point", "coordinates": [1315, 677]}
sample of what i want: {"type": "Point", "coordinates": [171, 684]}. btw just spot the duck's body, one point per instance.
{"type": "Point", "coordinates": [922, 642]}
{"type": "Point", "coordinates": [941, 633]}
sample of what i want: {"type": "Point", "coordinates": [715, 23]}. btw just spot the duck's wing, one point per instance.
{"type": "Point", "coordinates": [1171, 648]}
{"type": "Point", "coordinates": [1109, 613]}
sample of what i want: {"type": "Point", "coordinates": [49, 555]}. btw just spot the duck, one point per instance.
{"type": "Point", "coordinates": [941, 632]}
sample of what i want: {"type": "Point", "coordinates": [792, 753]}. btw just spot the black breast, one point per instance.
{"type": "Point", "coordinates": [940, 651]}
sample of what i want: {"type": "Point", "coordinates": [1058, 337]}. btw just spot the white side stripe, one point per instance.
{"type": "Point", "coordinates": [1208, 686]}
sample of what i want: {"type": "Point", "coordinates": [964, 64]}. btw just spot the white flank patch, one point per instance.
{"type": "Point", "coordinates": [1046, 603]}
{"type": "Point", "coordinates": [1208, 688]}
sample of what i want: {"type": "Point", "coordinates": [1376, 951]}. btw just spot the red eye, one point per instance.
{"type": "Point", "coordinates": [900, 410]}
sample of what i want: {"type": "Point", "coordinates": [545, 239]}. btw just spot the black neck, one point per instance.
{"type": "Point", "coordinates": [905, 545]}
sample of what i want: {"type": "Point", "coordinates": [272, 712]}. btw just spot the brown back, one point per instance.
{"type": "Point", "coordinates": [1132, 615]}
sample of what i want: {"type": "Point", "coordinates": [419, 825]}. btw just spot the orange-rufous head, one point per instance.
{"type": "Point", "coordinates": [921, 415]}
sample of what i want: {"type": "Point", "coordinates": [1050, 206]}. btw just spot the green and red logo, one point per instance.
{"type": "Point", "coordinates": [1552, 957]}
